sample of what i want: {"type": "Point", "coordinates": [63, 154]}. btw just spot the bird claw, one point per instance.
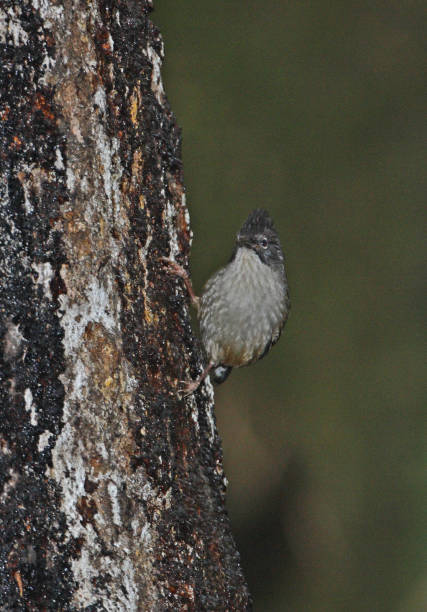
{"type": "Point", "coordinates": [174, 267]}
{"type": "Point", "coordinates": [188, 387]}
{"type": "Point", "coordinates": [178, 270]}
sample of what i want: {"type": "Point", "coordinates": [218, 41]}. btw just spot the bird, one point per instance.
{"type": "Point", "coordinates": [244, 305]}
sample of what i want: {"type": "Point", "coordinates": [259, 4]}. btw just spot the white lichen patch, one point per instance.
{"type": "Point", "coordinates": [47, 65]}
{"type": "Point", "coordinates": [156, 77]}
{"type": "Point", "coordinates": [145, 537]}
{"type": "Point", "coordinates": [170, 216]}
{"type": "Point", "coordinates": [84, 571]}
{"type": "Point", "coordinates": [147, 492]}
{"type": "Point", "coordinates": [100, 99]}
{"type": "Point", "coordinates": [11, 30]}
{"type": "Point", "coordinates": [129, 582]}
{"type": "Point", "coordinates": [12, 341]}
{"type": "Point", "coordinates": [31, 178]}
{"type": "Point", "coordinates": [186, 211]}
{"type": "Point", "coordinates": [59, 162]}
{"type": "Point", "coordinates": [52, 14]}
{"type": "Point", "coordinates": [44, 276]}
{"type": "Point", "coordinates": [44, 440]}
{"type": "Point", "coordinates": [71, 469]}
{"type": "Point", "coordinates": [29, 208]}
{"type": "Point", "coordinates": [48, 11]}
{"type": "Point", "coordinates": [30, 406]}
{"type": "Point", "coordinates": [111, 172]}
{"type": "Point", "coordinates": [115, 504]}
{"type": "Point", "coordinates": [209, 392]}
{"type": "Point", "coordinates": [194, 414]}
{"type": "Point", "coordinates": [77, 387]}
{"type": "Point", "coordinates": [9, 485]}
{"type": "Point", "coordinates": [70, 472]}
{"type": "Point", "coordinates": [95, 308]}
{"type": "Point", "coordinates": [71, 179]}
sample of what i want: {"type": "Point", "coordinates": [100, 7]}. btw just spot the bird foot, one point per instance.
{"type": "Point", "coordinates": [188, 387]}
{"type": "Point", "coordinates": [178, 270]}
{"type": "Point", "coordinates": [174, 267]}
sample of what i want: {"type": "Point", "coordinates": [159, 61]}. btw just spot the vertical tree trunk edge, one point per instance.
{"type": "Point", "coordinates": [111, 486]}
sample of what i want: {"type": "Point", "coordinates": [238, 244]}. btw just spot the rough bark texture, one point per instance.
{"type": "Point", "coordinates": [112, 488]}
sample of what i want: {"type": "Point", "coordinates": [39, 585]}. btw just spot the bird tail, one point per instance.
{"type": "Point", "coordinates": [220, 374]}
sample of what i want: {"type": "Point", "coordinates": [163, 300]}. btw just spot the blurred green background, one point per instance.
{"type": "Point", "coordinates": [316, 111]}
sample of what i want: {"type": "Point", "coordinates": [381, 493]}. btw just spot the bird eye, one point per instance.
{"type": "Point", "coordinates": [264, 243]}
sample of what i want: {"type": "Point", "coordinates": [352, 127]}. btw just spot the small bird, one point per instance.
{"type": "Point", "coordinates": [244, 305]}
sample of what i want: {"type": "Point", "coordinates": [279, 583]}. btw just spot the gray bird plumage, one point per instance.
{"type": "Point", "coordinates": [245, 305]}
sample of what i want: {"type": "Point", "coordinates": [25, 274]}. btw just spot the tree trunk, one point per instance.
{"type": "Point", "coordinates": [112, 487]}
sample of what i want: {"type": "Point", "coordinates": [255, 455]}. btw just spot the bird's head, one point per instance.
{"type": "Point", "coordinates": [258, 233]}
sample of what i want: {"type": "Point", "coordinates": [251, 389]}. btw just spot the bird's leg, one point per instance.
{"type": "Point", "coordinates": [178, 270]}
{"type": "Point", "coordinates": [188, 387]}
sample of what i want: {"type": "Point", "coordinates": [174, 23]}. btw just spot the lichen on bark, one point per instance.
{"type": "Point", "coordinates": [111, 486]}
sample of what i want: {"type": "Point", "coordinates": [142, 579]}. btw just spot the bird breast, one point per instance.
{"type": "Point", "coordinates": [242, 310]}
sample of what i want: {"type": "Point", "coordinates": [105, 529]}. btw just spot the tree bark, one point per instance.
{"type": "Point", "coordinates": [112, 487]}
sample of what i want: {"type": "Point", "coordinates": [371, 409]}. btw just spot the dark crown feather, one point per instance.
{"type": "Point", "coordinates": [258, 221]}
